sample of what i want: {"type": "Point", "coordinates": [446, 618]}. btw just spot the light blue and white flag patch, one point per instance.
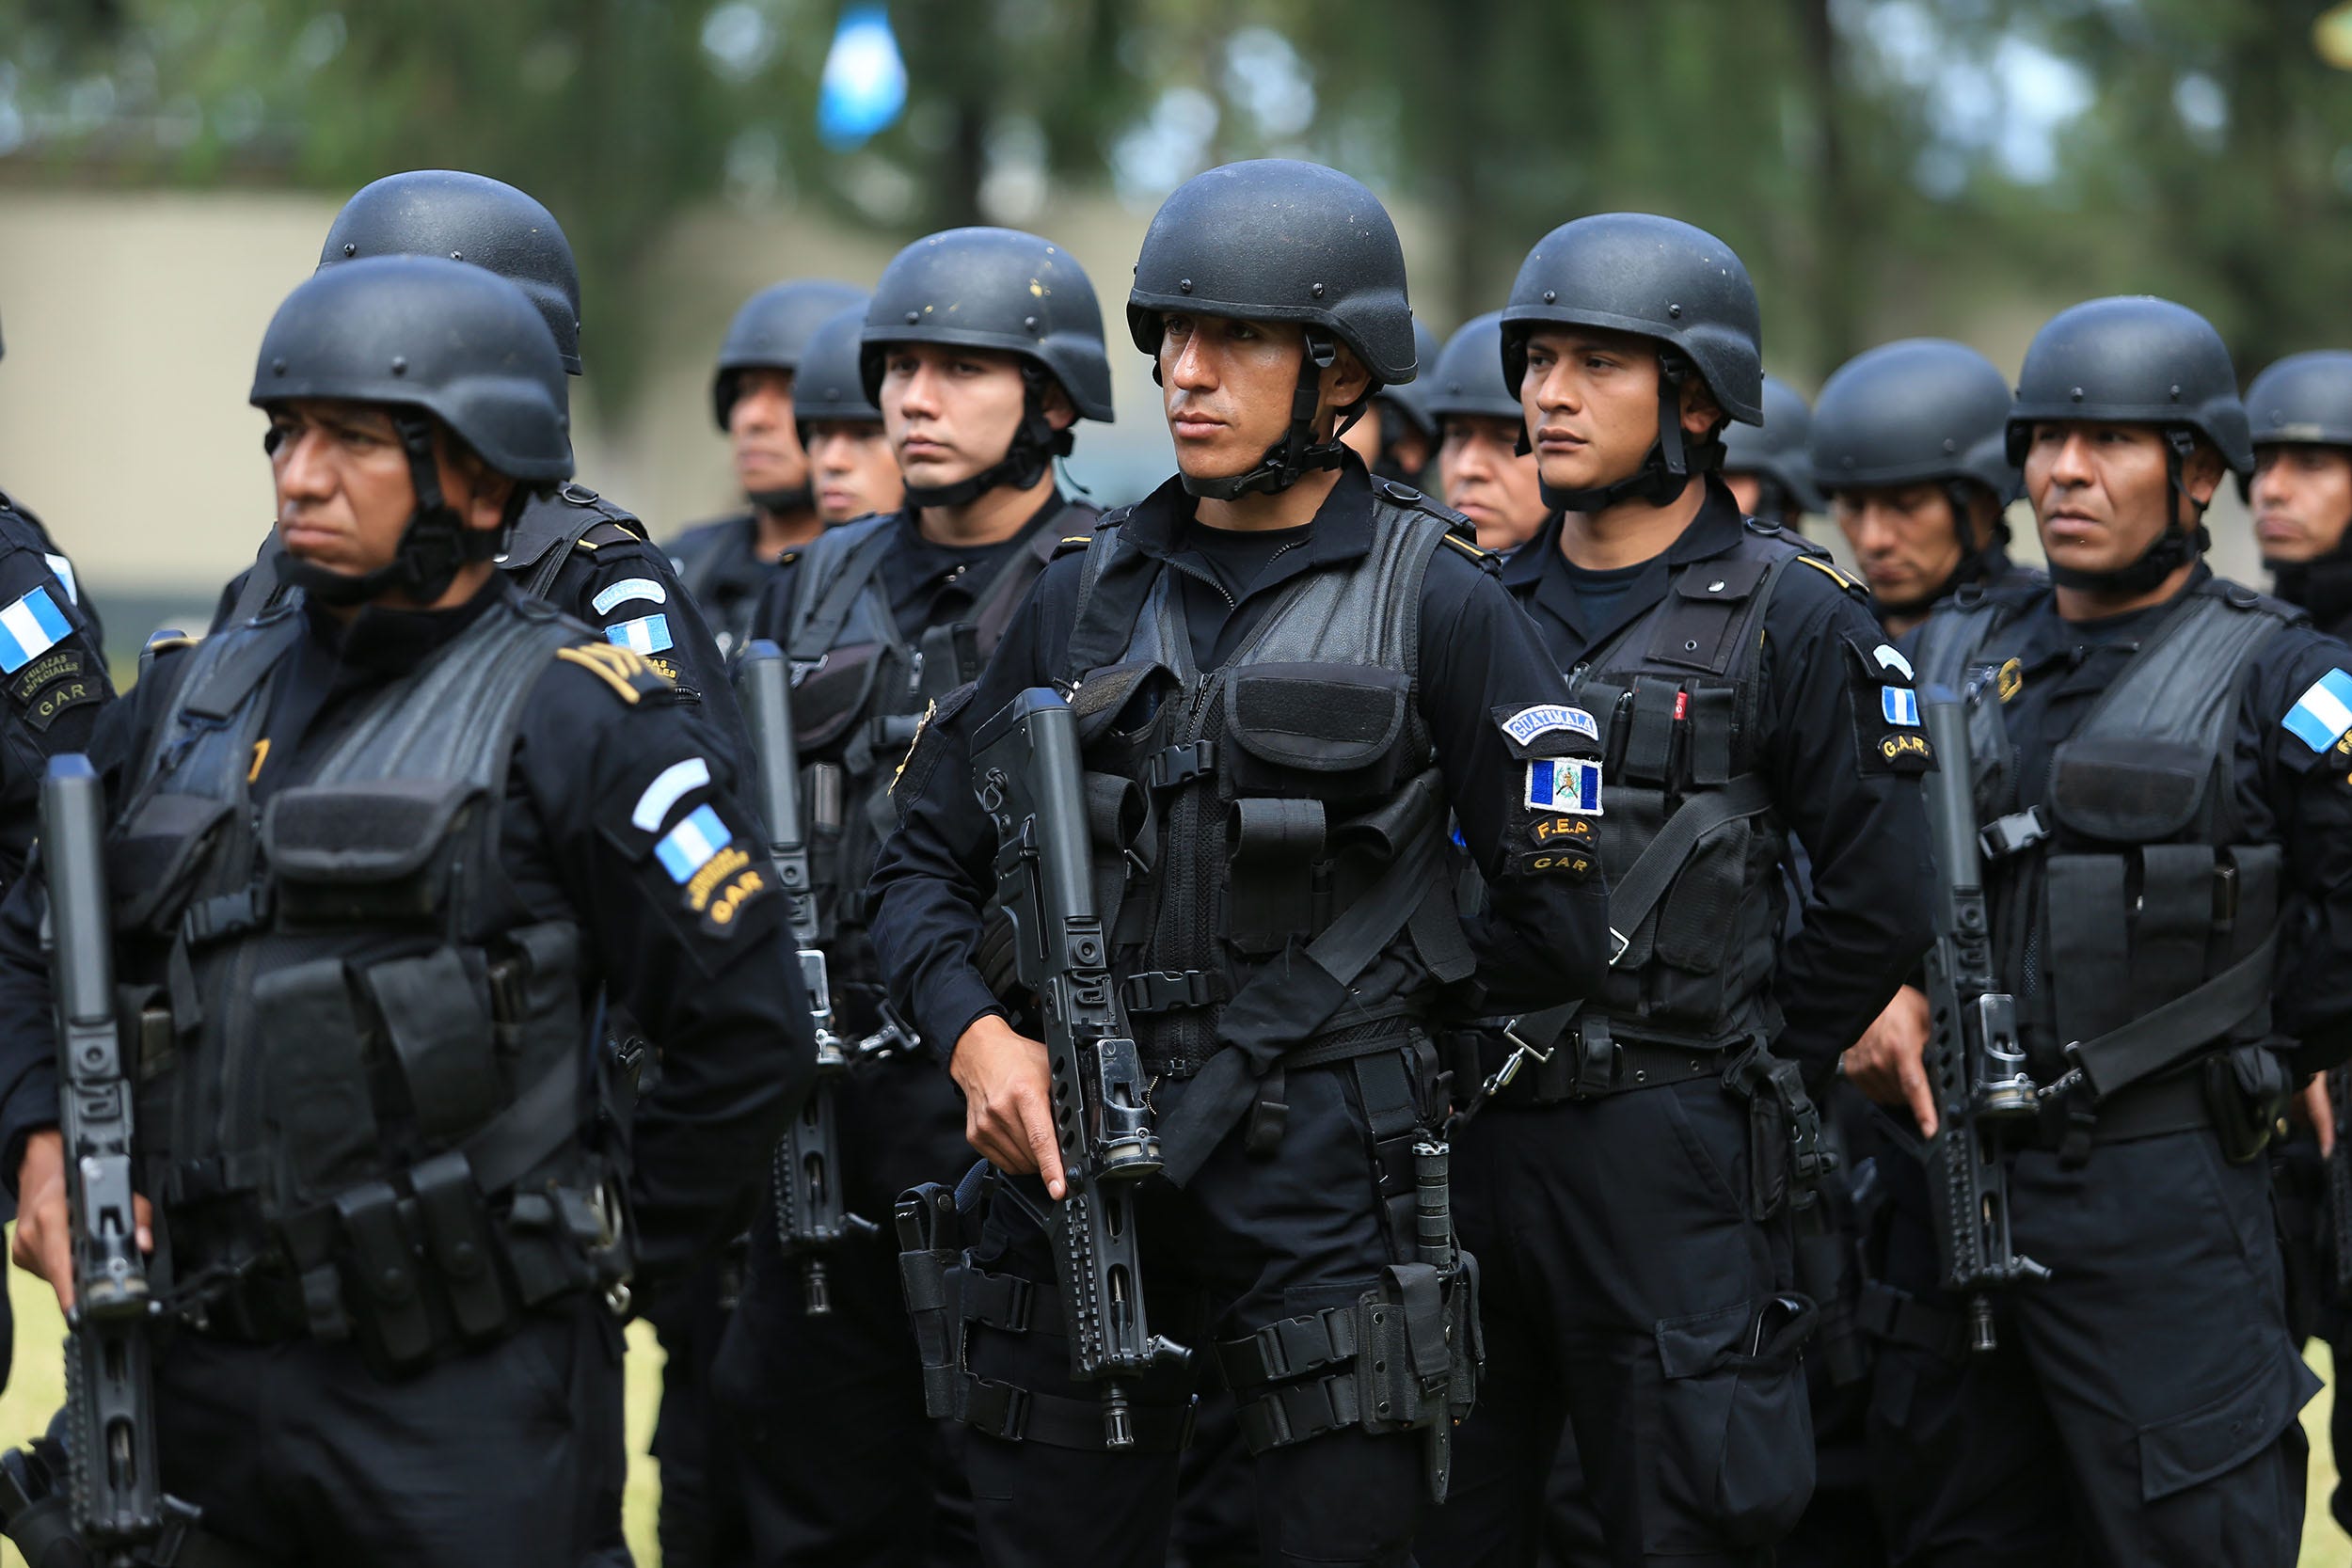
{"type": "Point", "coordinates": [1563, 784]}
{"type": "Point", "coordinates": [688, 848]}
{"type": "Point", "coordinates": [628, 591]}
{"type": "Point", "coordinates": [1900, 704]}
{"type": "Point", "coordinates": [63, 570]}
{"type": "Point", "coordinates": [29, 628]}
{"type": "Point", "coordinates": [2319, 717]}
{"type": "Point", "coordinates": [1544, 718]}
{"type": "Point", "coordinates": [648, 634]}
{"type": "Point", "coordinates": [668, 786]}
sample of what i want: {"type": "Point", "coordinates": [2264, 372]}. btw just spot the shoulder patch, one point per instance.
{"type": "Point", "coordinates": [628, 591]}
{"type": "Point", "coordinates": [608, 533]}
{"type": "Point", "coordinates": [629, 674]}
{"type": "Point", "coordinates": [29, 628]}
{"type": "Point", "coordinates": [1831, 572]}
{"type": "Point", "coordinates": [647, 634]}
{"type": "Point", "coordinates": [2323, 715]}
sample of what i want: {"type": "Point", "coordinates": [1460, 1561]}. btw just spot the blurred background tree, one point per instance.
{"type": "Point", "coordinates": [1875, 161]}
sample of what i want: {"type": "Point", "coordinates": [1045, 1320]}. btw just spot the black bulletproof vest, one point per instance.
{"type": "Point", "coordinates": [2132, 880]}
{"type": "Point", "coordinates": [1677, 693]}
{"type": "Point", "coordinates": [861, 690]}
{"type": "Point", "coordinates": [1238, 810]}
{"type": "Point", "coordinates": [349, 1035]}
{"type": "Point", "coordinates": [721, 572]}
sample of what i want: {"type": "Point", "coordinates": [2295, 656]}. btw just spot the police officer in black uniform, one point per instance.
{"type": "Point", "coordinates": [1304, 669]}
{"type": "Point", "coordinates": [1766, 466]}
{"type": "Point", "coordinates": [379, 857]}
{"type": "Point", "coordinates": [1629, 1177]}
{"type": "Point", "coordinates": [726, 562]}
{"type": "Point", "coordinates": [572, 547]}
{"type": "Point", "coordinates": [852, 472]}
{"type": "Point", "coordinates": [1398, 438]}
{"type": "Point", "coordinates": [1481, 469]}
{"type": "Point", "coordinates": [981, 348]}
{"type": "Point", "coordinates": [53, 666]}
{"type": "Point", "coordinates": [2161, 761]}
{"type": "Point", "coordinates": [1909, 444]}
{"type": "Point", "coordinates": [2300, 414]}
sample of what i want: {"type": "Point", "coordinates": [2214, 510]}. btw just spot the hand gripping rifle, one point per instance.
{"type": "Point", "coordinates": [810, 1220]}
{"type": "Point", "coordinates": [118, 1499]}
{"type": "Point", "coordinates": [1024, 768]}
{"type": "Point", "coordinates": [1974, 1058]}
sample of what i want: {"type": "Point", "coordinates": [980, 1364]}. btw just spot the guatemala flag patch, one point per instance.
{"type": "Point", "coordinates": [29, 628]}
{"type": "Point", "coordinates": [688, 848]}
{"type": "Point", "coordinates": [1900, 704]}
{"type": "Point", "coordinates": [648, 634]}
{"type": "Point", "coordinates": [1566, 785]}
{"type": "Point", "coordinates": [2319, 717]}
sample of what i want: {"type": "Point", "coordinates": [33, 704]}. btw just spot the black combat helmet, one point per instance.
{"type": "Point", "coordinates": [829, 387]}
{"type": "Point", "coordinates": [1776, 452]}
{"type": "Point", "coordinates": [2135, 360]}
{"type": "Point", "coordinates": [424, 336]}
{"type": "Point", "coordinates": [1467, 376]}
{"type": "Point", "coordinates": [1004, 289]}
{"type": "Point", "coordinates": [2304, 400]}
{"type": "Point", "coordinates": [770, 333]}
{"type": "Point", "coordinates": [1411, 400]}
{"type": "Point", "coordinates": [1635, 272]}
{"type": "Point", "coordinates": [466, 217]}
{"type": "Point", "coordinates": [1920, 411]}
{"type": "Point", "coordinates": [1277, 240]}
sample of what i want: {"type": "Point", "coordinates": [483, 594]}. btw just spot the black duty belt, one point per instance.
{"type": "Point", "coordinates": [1588, 1062]}
{"type": "Point", "coordinates": [2174, 1104]}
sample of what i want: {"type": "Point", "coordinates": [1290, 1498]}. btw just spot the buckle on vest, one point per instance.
{"type": "Point", "coordinates": [1181, 765]}
{"type": "Point", "coordinates": [227, 914]}
{"type": "Point", "coordinates": [1162, 990]}
{"type": "Point", "coordinates": [2013, 834]}
{"type": "Point", "coordinates": [1618, 943]}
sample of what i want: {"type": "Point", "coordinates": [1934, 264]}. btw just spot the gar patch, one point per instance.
{"type": "Point", "coordinates": [712, 875]}
{"type": "Point", "coordinates": [1906, 753]}
{"type": "Point", "coordinates": [43, 711]}
{"type": "Point", "coordinates": [57, 665]}
{"type": "Point", "coordinates": [720, 918]}
{"type": "Point", "coordinates": [1573, 863]}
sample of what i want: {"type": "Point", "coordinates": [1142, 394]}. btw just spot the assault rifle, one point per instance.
{"type": "Point", "coordinates": [1024, 770]}
{"type": "Point", "coordinates": [118, 1504]}
{"type": "Point", "coordinates": [810, 1220]}
{"type": "Point", "coordinates": [1975, 1060]}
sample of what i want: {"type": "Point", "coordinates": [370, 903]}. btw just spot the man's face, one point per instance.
{"type": "Point", "coordinates": [1487, 481]}
{"type": "Point", "coordinates": [344, 495]}
{"type": "Point", "coordinates": [768, 454]}
{"type": "Point", "coordinates": [1227, 388]}
{"type": "Point", "coordinates": [854, 473]}
{"type": "Point", "coordinates": [1903, 538]}
{"type": "Point", "coordinates": [2100, 492]}
{"type": "Point", "coordinates": [2302, 500]}
{"type": "Point", "coordinates": [950, 412]}
{"type": "Point", "coordinates": [1591, 401]}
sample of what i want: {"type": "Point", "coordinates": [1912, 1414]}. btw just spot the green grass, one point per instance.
{"type": "Point", "coordinates": [38, 1384]}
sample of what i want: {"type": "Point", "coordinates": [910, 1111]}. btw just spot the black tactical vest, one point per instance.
{"type": "Point", "coordinates": [721, 572]}
{"type": "Point", "coordinates": [2124, 880]}
{"type": "Point", "coordinates": [1238, 810]}
{"type": "Point", "coordinates": [365, 1080]}
{"type": "Point", "coordinates": [860, 693]}
{"type": "Point", "coordinates": [1677, 695]}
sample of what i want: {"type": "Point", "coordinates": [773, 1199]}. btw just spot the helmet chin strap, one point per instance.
{"type": "Point", "coordinates": [1665, 472]}
{"type": "Point", "coordinates": [1291, 458]}
{"type": "Point", "coordinates": [1035, 445]}
{"type": "Point", "coordinates": [2166, 554]}
{"type": "Point", "coordinates": [434, 547]}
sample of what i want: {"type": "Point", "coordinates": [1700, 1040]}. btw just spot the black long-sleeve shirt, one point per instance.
{"type": "Point", "coordinates": [1866, 912]}
{"type": "Point", "coordinates": [593, 785]}
{"type": "Point", "coordinates": [1543, 938]}
{"type": "Point", "coordinates": [53, 674]}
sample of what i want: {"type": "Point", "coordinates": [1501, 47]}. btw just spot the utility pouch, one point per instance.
{"type": "Point", "coordinates": [1326, 732]}
{"type": "Point", "coordinates": [153, 858]}
{"type": "Point", "coordinates": [372, 855]}
{"type": "Point", "coordinates": [930, 1257]}
{"type": "Point", "coordinates": [458, 1240]}
{"type": "Point", "coordinates": [2248, 1089]}
{"type": "Point", "coordinates": [381, 1278]}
